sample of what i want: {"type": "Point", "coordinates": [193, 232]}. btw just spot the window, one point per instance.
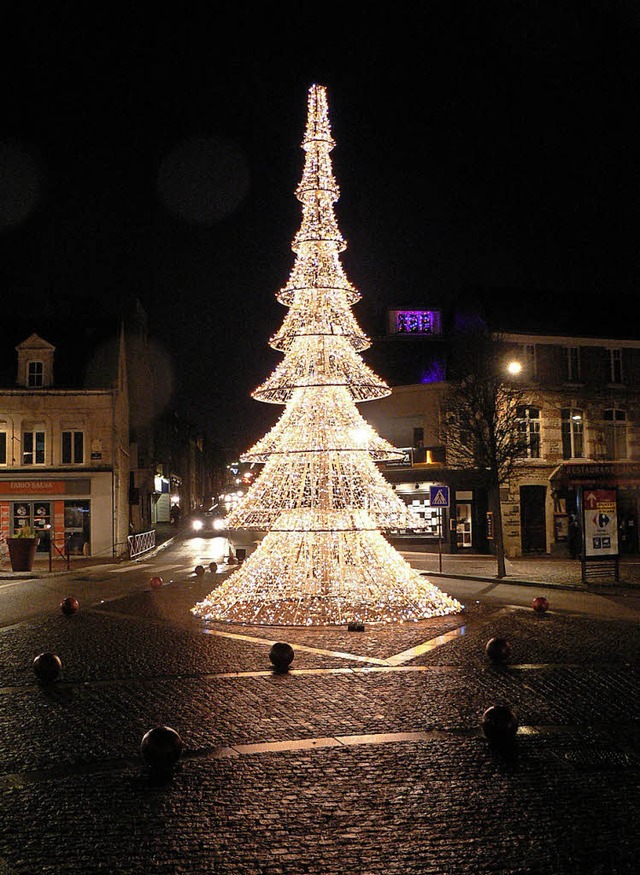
{"type": "Point", "coordinates": [572, 433]}
{"type": "Point", "coordinates": [35, 374]}
{"type": "Point", "coordinates": [529, 360]}
{"type": "Point", "coordinates": [529, 431]}
{"type": "Point", "coordinates": [615, 433]}
{"type": "Point", "coordinates": [72, 447]}
{"type": "Point", "coordinates": [33, 448]}
{"type": "Point", "coordinates": [615, 365]}
{"type": "Point", "coordinates": [573, 363]}
{"type": "Point", "coordinates": [3, 448]}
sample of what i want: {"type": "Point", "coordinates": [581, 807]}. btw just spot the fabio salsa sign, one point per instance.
{"type": "Point", "coordinates": [600, 522]}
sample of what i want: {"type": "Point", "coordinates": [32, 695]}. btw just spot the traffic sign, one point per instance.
{"type": "Point", "coordinates": [439, 496]}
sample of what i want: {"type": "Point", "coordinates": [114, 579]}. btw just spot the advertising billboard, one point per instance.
{"type": "Point", "coordinates": [600, 523]}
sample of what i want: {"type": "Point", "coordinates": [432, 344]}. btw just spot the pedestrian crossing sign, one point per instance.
{"type": "Point", "coordinates": [439, 496]}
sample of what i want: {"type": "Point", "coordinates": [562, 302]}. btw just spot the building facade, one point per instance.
{"type": "Point", "coordinates": [580, 419]}
{"type": "Point", "coordinates": [64, 457]}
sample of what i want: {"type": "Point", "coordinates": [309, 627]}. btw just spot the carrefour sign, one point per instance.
{"type": "Point", "coordinates": [600, 522]}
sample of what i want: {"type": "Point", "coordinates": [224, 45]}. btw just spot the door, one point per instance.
{"type": "Point", "coordinates": [627, 522]}
{"type": "Point", "coordinates": [533, 519]}
{"type": "Point", "coordinates": [463, 526]}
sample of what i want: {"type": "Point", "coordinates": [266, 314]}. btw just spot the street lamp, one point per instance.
{"type": "Point", "coordinates": [514, 368]}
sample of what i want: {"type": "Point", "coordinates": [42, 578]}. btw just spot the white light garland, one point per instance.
{"type": "Point", "coordinates": [320, 496]}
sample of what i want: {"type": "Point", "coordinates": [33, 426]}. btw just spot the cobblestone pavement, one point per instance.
{"type": "Point", "coordinates": [367, 757]}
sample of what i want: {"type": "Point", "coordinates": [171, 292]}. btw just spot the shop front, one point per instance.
{"type": "Point", "coordinates": [570, 480]}
{"type": "Point", "coordinates": [461, 527]}
{"type": "Point", "coordinates": [68, 513]}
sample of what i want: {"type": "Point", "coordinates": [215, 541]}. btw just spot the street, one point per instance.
{"type": "Point", "coordinates": [23, 598]}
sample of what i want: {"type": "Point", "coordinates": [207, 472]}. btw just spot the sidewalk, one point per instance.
{"type": "Point", "coordinates": [164, 535]}
{"type": "Point", "coordinates": [529, 570]}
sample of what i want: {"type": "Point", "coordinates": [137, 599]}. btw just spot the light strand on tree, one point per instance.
{"type": "Point", "coordinates": [320, 497]}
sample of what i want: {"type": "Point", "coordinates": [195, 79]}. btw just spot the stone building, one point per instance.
{"type": "Point", "coordinates": [64, 455]}
{"type": "Point", "coordinates": [581, 421]}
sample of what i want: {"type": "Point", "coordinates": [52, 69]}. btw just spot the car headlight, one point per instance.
{"type": "Point", "coordinates": [196, 525]}
{"type": "Point", "coordinates": [218, 524]}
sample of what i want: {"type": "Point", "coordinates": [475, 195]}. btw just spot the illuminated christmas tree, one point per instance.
{"type": "Point", "coordinates": [320, 496]}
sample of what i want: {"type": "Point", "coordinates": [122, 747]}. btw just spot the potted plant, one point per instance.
{"type": "Point", "coordinates": [22, 548]}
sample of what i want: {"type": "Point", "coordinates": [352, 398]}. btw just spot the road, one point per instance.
{"type": "Point", "coordinates": [22, 599]}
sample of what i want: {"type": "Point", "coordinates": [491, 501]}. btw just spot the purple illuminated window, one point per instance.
{"type": "Point", "coordinates": [416, 322]}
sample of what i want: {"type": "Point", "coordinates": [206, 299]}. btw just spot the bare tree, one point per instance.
{"type": "Point", "coordinates": [480, 418]}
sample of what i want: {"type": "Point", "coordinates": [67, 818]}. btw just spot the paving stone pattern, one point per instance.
{"type": "Point", "coordinates": [75, 796]}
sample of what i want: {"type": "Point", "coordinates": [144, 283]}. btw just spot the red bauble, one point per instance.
{"type": "Point", "coordinates": [540, 604]}
{"type": "Point", "coordinates": [499, 724]}
{"type": "Point", "coordinates": [498, 649]}
{"type": "Point", "coordinates": [199, 569]}
{"type": "Point", "coordinates": [213, 567]}
{"type": "Point", "coordinates": [161, 747]}
{"type": "Point", "coordinates": [69, 606]}
{"type": "Point", "coordinates": [47, 666]}
{"type": "Point", "coordinates": [281, 655]}
{"type": "Point", "coordinates": [156, 583]}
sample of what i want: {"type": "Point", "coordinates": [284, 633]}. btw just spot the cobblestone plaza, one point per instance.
{"type": "Point", "coordinates": [367, 756]}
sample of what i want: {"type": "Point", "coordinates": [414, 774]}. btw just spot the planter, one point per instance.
{"type": "Point", "coordinates": [22, 553]}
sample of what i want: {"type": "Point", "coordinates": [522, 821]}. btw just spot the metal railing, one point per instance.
{"type": "Point", "coordinates": [141, 543]}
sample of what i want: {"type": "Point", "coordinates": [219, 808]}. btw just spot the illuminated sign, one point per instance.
{"type": "Point", "coordinates": [421, 323]}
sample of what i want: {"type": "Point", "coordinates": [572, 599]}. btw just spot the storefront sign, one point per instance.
{"type": "Point", "coordinates": [32, 487]}
{"type": "Point", "coordinates": [596, 474]}
{"type": "Point", "coordinates": [19, 489]}
{"type": "Point", "coordinates": [402, 462]}
{"type": "Point", "coordinates": [511, 520]}
{"type": "Point", "coordinates": [490, 531]}
{"type": "Point", "coordinates": [600, 522]}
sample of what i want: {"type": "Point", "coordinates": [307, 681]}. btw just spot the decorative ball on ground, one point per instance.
{"type": "Point", "coordinates": [69, 606]}
{"type": "Point", "coordinates": [156, 582]}
{"type": "Point", "coordinates": [213, 567]}
{"type": "Point", "coordinates": [498, 649]}
{"type": "Point", "coordinates": [161, 747]}
{"type": "Point", "coordinates": [281, 655]}
{"type": "Point", "coordinates": [199, 569]}
{"type": "Point", "coordinates": [499, 724]}
{"type": "Point", "coordinates": [540, 604]}
{"type": "Point", "coordinates": [47, 666]}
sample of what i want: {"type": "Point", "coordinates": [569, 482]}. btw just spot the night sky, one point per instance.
{"type": "Point", "coordinates": [485, 151]}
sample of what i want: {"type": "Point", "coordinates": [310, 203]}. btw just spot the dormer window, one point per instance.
{"type": "Point", "coordinates": [35, 363]}
{"type": "Point", "coordinates": [35, 374]}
